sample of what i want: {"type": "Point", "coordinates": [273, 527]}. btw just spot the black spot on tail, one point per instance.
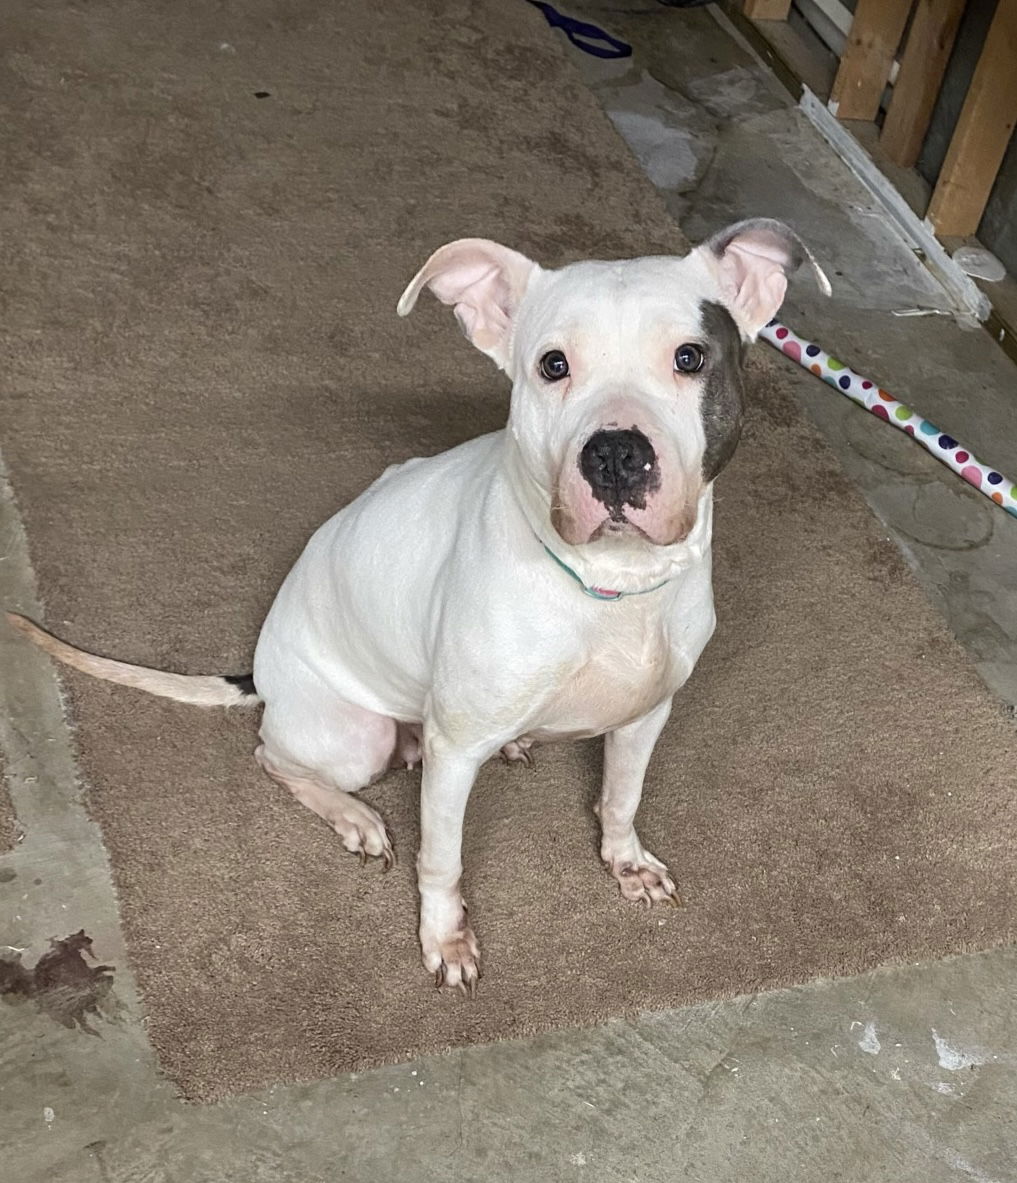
{"type": "Point", "coordinates": [243, 682]}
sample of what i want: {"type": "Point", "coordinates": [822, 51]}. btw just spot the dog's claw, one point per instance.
{"type": "Point", "coordinates": [675, 900]}
{"type": "Point", "coordinates": [439, 976]}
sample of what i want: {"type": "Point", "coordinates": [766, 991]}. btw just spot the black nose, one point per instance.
{"type": "Point", "coordinates": [620, 467]}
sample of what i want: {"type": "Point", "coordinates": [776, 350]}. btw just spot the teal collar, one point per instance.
{"type": "Point", "coordinates": [601, 593]}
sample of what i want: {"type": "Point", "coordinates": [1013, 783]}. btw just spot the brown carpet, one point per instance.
{"type": "Point", "coordinates": [204, 362]}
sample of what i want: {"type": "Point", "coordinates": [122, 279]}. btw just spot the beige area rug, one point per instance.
{"type": "Point", "coordinates": [203, 362]}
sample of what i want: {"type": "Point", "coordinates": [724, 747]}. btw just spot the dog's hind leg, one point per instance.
{"type": "Point", "coordinates": [325, 751]}
{"type": "Point", "coordinates": [359, 827]}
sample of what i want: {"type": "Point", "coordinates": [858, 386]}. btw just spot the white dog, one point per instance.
{"type": "Point", "coordinates": [550, 581]}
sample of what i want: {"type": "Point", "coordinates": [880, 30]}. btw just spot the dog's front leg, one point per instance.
{"type": "Point", "coordinates": [447, 943]}
{"type": "Point", "coordinates": [627, 752]}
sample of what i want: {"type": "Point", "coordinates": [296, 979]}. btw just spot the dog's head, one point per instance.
{"type": "Point", "coordinates": [627, 386]}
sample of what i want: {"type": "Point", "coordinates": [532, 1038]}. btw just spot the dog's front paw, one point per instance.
{"type": "Point", "coordinates": [455, 961]}
{"type": "Point", "coordinates": [450, 951]}
{"type": "Point", "coordinates": [643, 879]}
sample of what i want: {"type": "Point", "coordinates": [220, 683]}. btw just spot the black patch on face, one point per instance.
{"type": "Point", "coordinates": [722, 399]}
{"type": "Point", "coordinates": [243, 682]}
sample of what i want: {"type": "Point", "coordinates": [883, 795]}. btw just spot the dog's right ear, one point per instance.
{"type": "Point", "coordinates": [484, 282]}
{"type": "Point", "coordinates": [752, 261]}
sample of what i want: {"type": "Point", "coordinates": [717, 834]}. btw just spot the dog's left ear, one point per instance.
{"type": "Point", "coordinates": [484, 282]}
{"type": "Point", "coordinates": [752, 260]}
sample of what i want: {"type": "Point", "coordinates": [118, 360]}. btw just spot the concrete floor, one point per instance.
{"type": "Point", "coordinates": [907, 1073]}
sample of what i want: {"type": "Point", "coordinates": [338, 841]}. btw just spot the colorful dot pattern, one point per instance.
{"type": "Point", "coordinates": [878, 402]}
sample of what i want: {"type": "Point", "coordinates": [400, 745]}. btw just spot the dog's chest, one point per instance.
{"type": "Point", "coordinates": [620, 677]}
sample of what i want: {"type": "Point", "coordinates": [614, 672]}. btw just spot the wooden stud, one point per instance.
{"type": "Point", "coordinates": [933, 30]}
{"type": "Point", "coordinates": [876, 31]}
{"type": "Point", "coordinates": [767, 10]}
{"type": "Point", "coordinates": [983, 131]}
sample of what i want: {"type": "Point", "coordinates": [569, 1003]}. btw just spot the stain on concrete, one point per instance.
{"type": "Point", "coordinates": [673, 139]}
{"type": "Point", "coordinates": [62, 983]}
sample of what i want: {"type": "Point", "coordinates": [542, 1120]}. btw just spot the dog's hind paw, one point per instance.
{"type": "Point", "coordinates": [362, 831]}
{"type": "Point", "coordinates": [408, 751]}
{"type": "Point", "coordinates": [519, 751]}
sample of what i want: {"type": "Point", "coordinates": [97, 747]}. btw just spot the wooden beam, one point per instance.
{"type": "Point", "coordinates": [767, 10]}
{"type": "Point", "coordinates": [930, 40]}
{"type": "Point", "coordinates": [983, 131]}
{"type": "Point", "coordinates": [868, 56]}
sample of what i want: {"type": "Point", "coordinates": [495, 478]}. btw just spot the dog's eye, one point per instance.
{"type": "Point", "coordinates": [554, 365]}
{"type": "Point", "coordinates": [688, 359]}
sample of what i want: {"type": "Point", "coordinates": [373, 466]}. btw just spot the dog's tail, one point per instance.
{"type": "Point", "coordinates": [213, 690]}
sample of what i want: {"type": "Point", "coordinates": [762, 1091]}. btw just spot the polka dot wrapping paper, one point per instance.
{"type": "Point", "coordinates": [878, 402]}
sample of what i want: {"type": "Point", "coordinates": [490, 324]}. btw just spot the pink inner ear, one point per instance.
{"type": "Point", "coordinates": [484, 282]}
{"type": "Point", "coordinates": [452, 284]}
{"type": "Point", "coordinates": [755, 279]}
{"type": "Point", "coordinates": [480, 295]}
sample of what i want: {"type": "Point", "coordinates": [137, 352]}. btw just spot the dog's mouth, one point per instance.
{"type": "Point", "coordinates": [626, 525]}
{"type": "Point", "coordinates": [617, 528]}
{"type": "Point", "coordinates": [618, 525]}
